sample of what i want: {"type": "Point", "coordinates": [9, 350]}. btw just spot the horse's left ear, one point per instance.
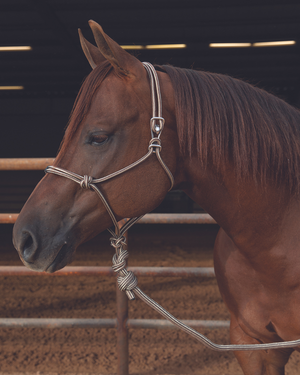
{"type": "Point", "coordinates": [121, 60]}
{"type": "Point", "coordinates": [91, 52]}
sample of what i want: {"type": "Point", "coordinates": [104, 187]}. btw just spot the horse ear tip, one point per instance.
{"type": "Point", "coordinates": [93, 23]}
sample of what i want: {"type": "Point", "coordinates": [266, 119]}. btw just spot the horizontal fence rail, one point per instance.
{"type": "Point", "coordinates": [206, 272]}
{"type": "Point", "coordinates": [177, 219]}
{"type": "Point", "coordinates": [106, 323]}
{"type": "Point", "coordinates": [8, 218]}
{"type": "Point", "coordinates": [29, 164]}
{"type": "Point", "coordinates": [147, 219]}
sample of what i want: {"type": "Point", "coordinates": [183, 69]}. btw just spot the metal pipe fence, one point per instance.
{"type": "Point", "coordinates": [106, 323]}
{"type": "Point", "coordinates": [207, 272]}
{"type": "Point", "coordinates": [29, 164]}
{"type": "Point", "coordinates": [121, 323]}
{"type": "Point", "coordinates": [10, 218]}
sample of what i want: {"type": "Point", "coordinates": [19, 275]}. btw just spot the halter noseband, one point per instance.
{"type": "Point", "coordinates": [156, 127]}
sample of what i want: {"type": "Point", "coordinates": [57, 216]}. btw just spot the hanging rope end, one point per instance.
{"type": "Point", "coordinates": [130, 295]}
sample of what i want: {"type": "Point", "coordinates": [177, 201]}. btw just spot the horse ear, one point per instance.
{"type": "Point", "coordinates": [91, 52]}
{"type": "Point", "coordinates": [121, 60]}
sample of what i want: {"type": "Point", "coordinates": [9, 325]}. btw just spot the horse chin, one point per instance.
{"type": "Point", "coordinates": [64, 256]}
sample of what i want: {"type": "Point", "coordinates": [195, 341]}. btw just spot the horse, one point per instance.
{"type": "Point", "coordinates": [231, 147]}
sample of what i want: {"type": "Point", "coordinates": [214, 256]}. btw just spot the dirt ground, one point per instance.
{"type": "Point", "coordinates": [93, 351]}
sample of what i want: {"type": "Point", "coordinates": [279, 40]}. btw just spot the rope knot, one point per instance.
{"type": "Point", "coordinates": [155, 143]}
{"type": "Point", "coordinates": [85, 182]}
{"type": "Point", "coordinates": [118, 242]}
{"type": "Point", "coordinates": [127, 280]}
{"type": "Point", "coordinates": [119, 262]}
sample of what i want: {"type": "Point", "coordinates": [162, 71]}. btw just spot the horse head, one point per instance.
{"type": "Point", "coordinates": [108, 130]}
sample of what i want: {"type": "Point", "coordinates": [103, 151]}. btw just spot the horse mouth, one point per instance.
{"type": "Point", "coordinates": [60, 260]}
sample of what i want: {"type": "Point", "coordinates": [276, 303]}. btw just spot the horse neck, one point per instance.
{"type": "Point", "coordinates": [250, 214]}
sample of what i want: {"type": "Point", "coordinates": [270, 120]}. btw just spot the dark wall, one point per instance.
{"type": "Point", "coordinates": [32, 127]}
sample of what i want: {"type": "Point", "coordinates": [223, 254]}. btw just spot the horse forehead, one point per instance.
{"type": "Point", "coordinates": [119, 95]}
{"type": "Point", "coordinates": [122, 88]}
{"type": "Point", "coordinates": [113, 104]}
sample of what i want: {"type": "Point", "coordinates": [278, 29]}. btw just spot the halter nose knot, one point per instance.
{"type": "Point", "coordinates": [85, 182]}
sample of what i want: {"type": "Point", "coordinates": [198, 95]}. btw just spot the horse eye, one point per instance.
{"type": "Point", "coordinates": [98, 139]}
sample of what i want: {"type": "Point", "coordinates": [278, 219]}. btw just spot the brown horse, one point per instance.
{"type": "Point", "coordinates": [233, 148]}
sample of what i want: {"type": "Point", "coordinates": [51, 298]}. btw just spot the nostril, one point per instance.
{"type": "Point", "coordinates": [28, 243]}
{"type": "Point", "coordinates": [28, 248]}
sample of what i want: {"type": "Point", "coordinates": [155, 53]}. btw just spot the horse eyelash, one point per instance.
{"type": "Point", "coordinates": [92, 140]}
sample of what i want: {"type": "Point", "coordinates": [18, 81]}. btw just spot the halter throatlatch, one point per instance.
{"type": "Point", "coordinates": [127, 281]}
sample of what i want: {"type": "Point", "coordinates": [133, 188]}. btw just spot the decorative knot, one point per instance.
{"type": "Point", "coordinates": [119, 262]}
{"type": "Point", "coordinates": [127, 280]}
{"type": "Point", "coordinates": [155, 143]}
{"type": "Point", "coordinates": [85, 182]}
{"type": "Point", "coordinates": [118, 242]}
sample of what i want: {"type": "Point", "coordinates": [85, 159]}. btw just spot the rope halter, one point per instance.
{"type": "Point", "coordinates": [156, 127]}
{"type": "Point", "coordinates": [126, 280]}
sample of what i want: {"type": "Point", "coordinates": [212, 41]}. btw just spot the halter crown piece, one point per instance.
{"type": "Point", "coordinates": [127, 281]}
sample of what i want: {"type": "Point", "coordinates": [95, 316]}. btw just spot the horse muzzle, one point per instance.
{"type": "Point", "coordinates": [38, 257]}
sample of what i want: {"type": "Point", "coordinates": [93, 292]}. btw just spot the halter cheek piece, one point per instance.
{"type": "Point", "coordinates": [126, 279]}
